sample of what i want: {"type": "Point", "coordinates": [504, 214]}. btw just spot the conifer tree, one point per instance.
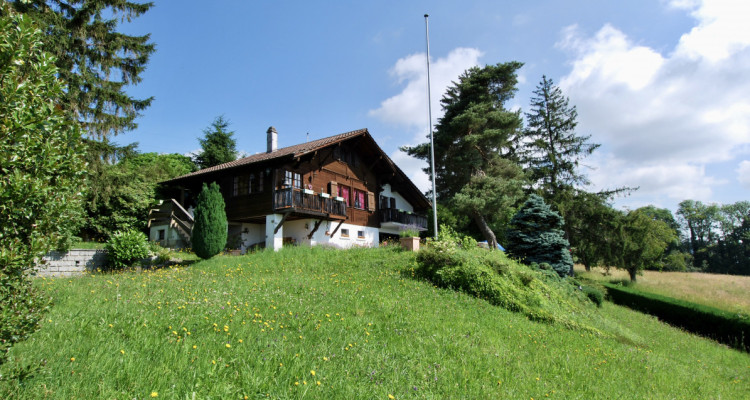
{"type": "Point", "coordinates": [209, 235]}
{"type": "Point", "coordinates": [551, 147]}
{"type": "Point", "coordinates": [536, 236]}
{"type": "Point", "coordinates": [473, 140]}
{"type": "Point", "coordinates": [218, 145]}
{"type": "Point", "coordinates": [94, 60]}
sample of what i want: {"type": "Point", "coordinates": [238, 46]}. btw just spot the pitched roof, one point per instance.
{"type": "Point", "coordinates": [294, 151]}
{"type": "Point", "coordinates": [417, 197]}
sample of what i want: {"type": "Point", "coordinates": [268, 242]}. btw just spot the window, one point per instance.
{"type": "Point", "coordinates": [260, 182]}
{"type": "Point", "coordinates": [345, 233]}
{"type": "Point", "coordinates": [344, 193]}
{"type": "Point", "coordinates": [162, 234]}
{"type": "Point", "coordinates": [235, 186]}
{"type": "Point", "coordinates": [250, 183]}
{"type": "Point", "coordinates": [292, 179]}
{"type": "Point", "coordinates": [360, 234]}
{"type": "Point", "coordinates": [359, 199]}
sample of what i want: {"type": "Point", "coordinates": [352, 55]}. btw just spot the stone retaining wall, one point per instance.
{"type": "Point", "coordinates": [74, 262]}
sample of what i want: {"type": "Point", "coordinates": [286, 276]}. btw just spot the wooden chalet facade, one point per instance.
{"type": "Point", "coordinates": [341, 190]}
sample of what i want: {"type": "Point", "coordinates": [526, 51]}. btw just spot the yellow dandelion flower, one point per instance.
{"type": "Point", "coordinates": [154, 394]}
{"type": "Point", "coordinates": [317, 383]}
{"type": "Point", "coordinates": [312, 373]}
{"type": "Point", "coordinates": [390, 396]}
{"type": "Point", "coordinates": [296, 383]}
{"type": "Point", "coordinates": [122, 351]}
{"type": "Point", "coordinates": [228, 345]}
{"type": "Point", "coordinates": [72, 359]}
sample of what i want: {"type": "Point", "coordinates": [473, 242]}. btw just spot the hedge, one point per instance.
{"type": "Point", "coordinates": [723, 326]}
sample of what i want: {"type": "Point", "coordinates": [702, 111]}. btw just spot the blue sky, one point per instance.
{"type": "Point", "coordinates": [662, 85]}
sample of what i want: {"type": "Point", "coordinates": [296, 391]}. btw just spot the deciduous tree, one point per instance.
{"type": "Point", "coordinates": [41, 171]}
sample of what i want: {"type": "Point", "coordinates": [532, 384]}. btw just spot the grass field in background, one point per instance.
{"type": "Point", "coordinates": [728, 292]}
{"type": "Point", "coordinates": [328, 324]}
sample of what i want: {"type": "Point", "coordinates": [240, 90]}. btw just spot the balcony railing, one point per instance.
{"type": "Point", "coordinates": [301, 201]}
{"type": "Point", "coordinates": [403, 217]}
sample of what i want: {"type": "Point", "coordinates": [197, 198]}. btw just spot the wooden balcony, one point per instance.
{"type": "Point", "coordinates": [394, 218]}
{"type": "Point", "coordinates": [305, 202]}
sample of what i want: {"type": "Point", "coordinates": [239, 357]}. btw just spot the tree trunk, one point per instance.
{"type": "Point", "coordinates": [486, 231]}
{"type": "Point", "coordinates": [632, 272]}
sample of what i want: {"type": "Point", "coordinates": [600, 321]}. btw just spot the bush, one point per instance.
{"type": "Point", "coordinates": [126, 248]}
{"type": "Point", "coordinates": [210, 230]}
{"type": "Point", "coordinates": [594, 294]}
{"type": "Point", "coordinates": [726, 327]}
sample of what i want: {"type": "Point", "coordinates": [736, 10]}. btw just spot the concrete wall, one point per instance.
{"type": "Point", "coordinates": [74, 262]}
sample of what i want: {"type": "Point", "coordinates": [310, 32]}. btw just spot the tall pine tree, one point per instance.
{"type": "Point", "coordinates": [218, 145]}
{"type": "Point", "coordinates": [551, 147]}
{"type": "Point", "coordinates": [94, 60]}
{"type": "Point", "coordinates": [473, 141]}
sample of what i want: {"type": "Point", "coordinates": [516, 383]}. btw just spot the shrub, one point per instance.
{"type": "Point", "coordinates": [210, 230]}
{"type": "Point", "coordinates": [594, 294]}
{"type": "Point", "coordinates": [536, 236]}
{"type": "Point", "coordinates": [124, 248]}
{"type": "Point", "coordinates": [726, 327]}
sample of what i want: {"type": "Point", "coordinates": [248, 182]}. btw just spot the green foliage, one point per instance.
{"type": "Point", "coordinates": [91, 55]}
{"type": "Point", "coordinates": [210, 229]}
{"type": "Point", "coordinates": [475, 134]}
{"type": "Point", "coordinates": [643, 241]}
{"type": "Point", "coordinates": [535, 236]}
{"type": "Point", "coordinates": [125, 248]}
{"type": "Point", "coordinates": [218, 145]}
{"type": "Point", "coordinates": [490, 275]}
{"type": "Point", "coordinates": [726, 327]}
{"type": "Point", "coordinates": [40, 172]}
{"type": "Point", "coordinates": [408, 232]}
{"type": "Point", "coordinates": [592, 226]}
{"type": "Point", "coordinates": [124, 186]}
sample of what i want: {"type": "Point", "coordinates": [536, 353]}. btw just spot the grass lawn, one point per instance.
{"type": "Point", "coordinates": [728, 292]}
{"type": "Point", "coordinates": [354, 324]}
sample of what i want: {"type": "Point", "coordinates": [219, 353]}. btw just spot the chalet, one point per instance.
{"type": "Point", "coordinates": [342, 190]}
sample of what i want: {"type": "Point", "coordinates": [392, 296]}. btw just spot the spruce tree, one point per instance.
{"type": "Point", "coordinates": [94, 60]}
{"type": "Point", "coordinates": [552, 149]}
{"type": "Point", "coordinates": [536, 236]}
{"type": "Point", "coordinates": [218, 145]}
{"type": "Point", "coordinates": [209, 235]}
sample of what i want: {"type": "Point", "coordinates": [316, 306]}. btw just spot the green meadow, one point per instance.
{"type": "Point", "coordinates": [327, 324]}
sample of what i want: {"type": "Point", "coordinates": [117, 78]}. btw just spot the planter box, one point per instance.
{"type": "Point", "coordinates": [325, 195]}
{"type": "Point", "coordinates": [308, 191]}
{"type": "Point", "coordinates": [410, 243]}
{"type": "Point", "coordinates": [339, 199]}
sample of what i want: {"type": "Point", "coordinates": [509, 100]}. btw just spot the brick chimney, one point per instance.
{"type": "Point", "coordinates": [273, 139]}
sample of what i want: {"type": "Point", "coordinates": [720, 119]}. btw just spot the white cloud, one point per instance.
{"type": "Point", "coordinates": [412, 167]}
{"type": "Point", "coordinates": [743, 173]}
{"type": "Point", "coordinates": [664, 116]}
{"type": "Point", "coordinates": [409, 108]}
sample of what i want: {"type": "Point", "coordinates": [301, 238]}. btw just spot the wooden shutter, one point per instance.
{"type": "Point", "coordinates": [333, 188]}
{"type": "Point", "coordinates": [370, 201]}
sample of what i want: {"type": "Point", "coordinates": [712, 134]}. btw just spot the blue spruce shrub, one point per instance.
{"type": "Point", "coordinates": [536, 236]}
{"type": "Point", "coordinates": [209, 235]}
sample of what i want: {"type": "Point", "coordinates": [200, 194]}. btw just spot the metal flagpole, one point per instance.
{"type": "Point", "coordinates": [432, 141]}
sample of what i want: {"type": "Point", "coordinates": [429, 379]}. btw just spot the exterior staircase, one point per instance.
{"type": "Point", "coordinates": [172, 214]}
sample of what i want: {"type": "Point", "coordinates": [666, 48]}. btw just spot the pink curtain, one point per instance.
{"type": "Point", "coordinates": [360, 198]}
{"type": "Point", "coordinates": [344, 192]}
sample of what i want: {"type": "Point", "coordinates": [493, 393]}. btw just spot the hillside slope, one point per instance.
{"type": "Point", "coordinates": [353, 324]}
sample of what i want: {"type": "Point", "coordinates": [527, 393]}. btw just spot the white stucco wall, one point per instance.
{"type": "Point", "coordinates": [171, 237]}
{"type": "Point", "coordinates": [300, 229]}
{"type": "Point", "coordinates": [401, 204]}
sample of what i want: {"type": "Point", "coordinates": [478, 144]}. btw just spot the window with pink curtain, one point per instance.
{"type": "Point", "coordinates": [344, 192]}
{"type": "Point", "coordinates": [359, 199]}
